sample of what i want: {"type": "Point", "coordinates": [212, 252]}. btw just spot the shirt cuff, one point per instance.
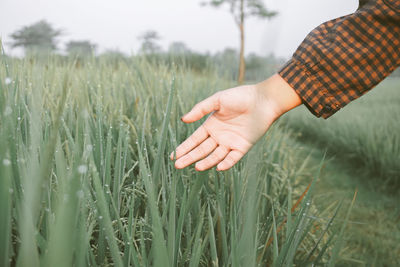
{"type": "Point", "coordinates": [316, 98]}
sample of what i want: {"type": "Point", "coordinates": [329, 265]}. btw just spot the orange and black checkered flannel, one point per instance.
{"type": "Point", "coordinates": [344, 58]}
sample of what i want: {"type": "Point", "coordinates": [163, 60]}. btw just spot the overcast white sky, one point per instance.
{"type": "Point", "coordinates": [116, 24]}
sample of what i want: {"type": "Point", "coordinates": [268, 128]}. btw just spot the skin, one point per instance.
{"type": "Point", "coordinates": [239, 117]}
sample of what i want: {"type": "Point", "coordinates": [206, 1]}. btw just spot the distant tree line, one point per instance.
{"type": "Point", "coordinates": [41, 38]}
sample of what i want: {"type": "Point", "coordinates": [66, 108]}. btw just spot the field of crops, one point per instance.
{"type": "Point", "coordinates": [86, 180]}
{"type": "Point", "coordinates": [363, 144]}
{"type": "Point", "coordinates": [366, 133]}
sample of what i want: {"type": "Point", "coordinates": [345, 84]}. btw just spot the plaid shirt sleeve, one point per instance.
{"type": "Point", "coordinates": [344, 58]}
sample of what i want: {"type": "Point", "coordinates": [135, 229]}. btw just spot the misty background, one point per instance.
{"type": "Point", "coordinates": [117, 24]}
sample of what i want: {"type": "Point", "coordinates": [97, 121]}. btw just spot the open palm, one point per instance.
{"type": "Point", "coordinates": [240, 116]}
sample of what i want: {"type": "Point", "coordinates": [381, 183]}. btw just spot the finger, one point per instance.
{"type": "Point", "coordinates": [231, 159]}
{"type": "Point", "coordinates": [194, 140]}
{"type": "Point", "coordinates": [196, 154]}
{"type": "Point", "coordinates": [213, 159]}
{"type": "Point", "coordinates": [202, 108]}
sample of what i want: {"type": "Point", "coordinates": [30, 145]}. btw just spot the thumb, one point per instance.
{"type": "Point", "coordinates": [202, 108]}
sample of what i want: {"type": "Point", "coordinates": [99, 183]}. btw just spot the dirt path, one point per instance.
{"type": "Point", "coordinates": [373, 235]}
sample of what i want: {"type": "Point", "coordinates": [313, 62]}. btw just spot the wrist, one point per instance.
{"type": "Point", "coordinates": [278, 94]}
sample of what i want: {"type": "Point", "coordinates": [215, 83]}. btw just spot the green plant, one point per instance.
{"type": "Point", "coordinates": [86, 180]}
{"type": "Point", "coordinates": [365, 133]}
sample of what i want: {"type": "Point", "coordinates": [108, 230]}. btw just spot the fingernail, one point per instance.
{"type": "Point", "coordinates": [219, 167]}
{"type": "Point", "coordinates": [178, 165]}
{"type": "Point", "coordinates": [198, 168]}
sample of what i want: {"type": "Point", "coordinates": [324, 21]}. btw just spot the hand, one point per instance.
{"type": "Point", "coordinates": [240, 116]}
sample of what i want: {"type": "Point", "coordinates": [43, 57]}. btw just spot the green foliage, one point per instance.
{"type": "Point", "coordinates": [178, 48]}
{"type": "Point", "coordinates": [86, 179]}
{"type": "Point", "coordinates": [224, 62]}
{"type": "Point", "coordinates": [80, 48]}
{"type": "Point", "coordinates": [260, 67]}
{"type": "Point", "coordinates": [372, 232]}
{"type": "Point", "coordinates": [149, 42]}
{"type": "Point", "coordinates": [38, 37]}
{"type": "Point", "coordinates": [365, 133]}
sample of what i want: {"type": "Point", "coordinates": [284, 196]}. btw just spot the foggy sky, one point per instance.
{"type": "Point", "coordinates": [117, 24]}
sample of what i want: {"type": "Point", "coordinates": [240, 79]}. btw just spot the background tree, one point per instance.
{"type": "Point", "coordinates": [38, 37]}
{"type": "Point", "coordinates": [226, 62]}
{"type": "Point", "coordinates": [149, 41]}
{"type": "Point", "coordinates": [114, 54]}
{"type": "Point", "coordinates": [178, 48]}
{"type": "Point", "coordinates": [179, 53]}
{"type": "Point", "coordinates": [80, 48]}
{"type": "Point", "coordinates": [113, 57]}
{"type": "Point", "coordinates": [241, 10]}
{"type": "Point", "coordinates": [259, 67]}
